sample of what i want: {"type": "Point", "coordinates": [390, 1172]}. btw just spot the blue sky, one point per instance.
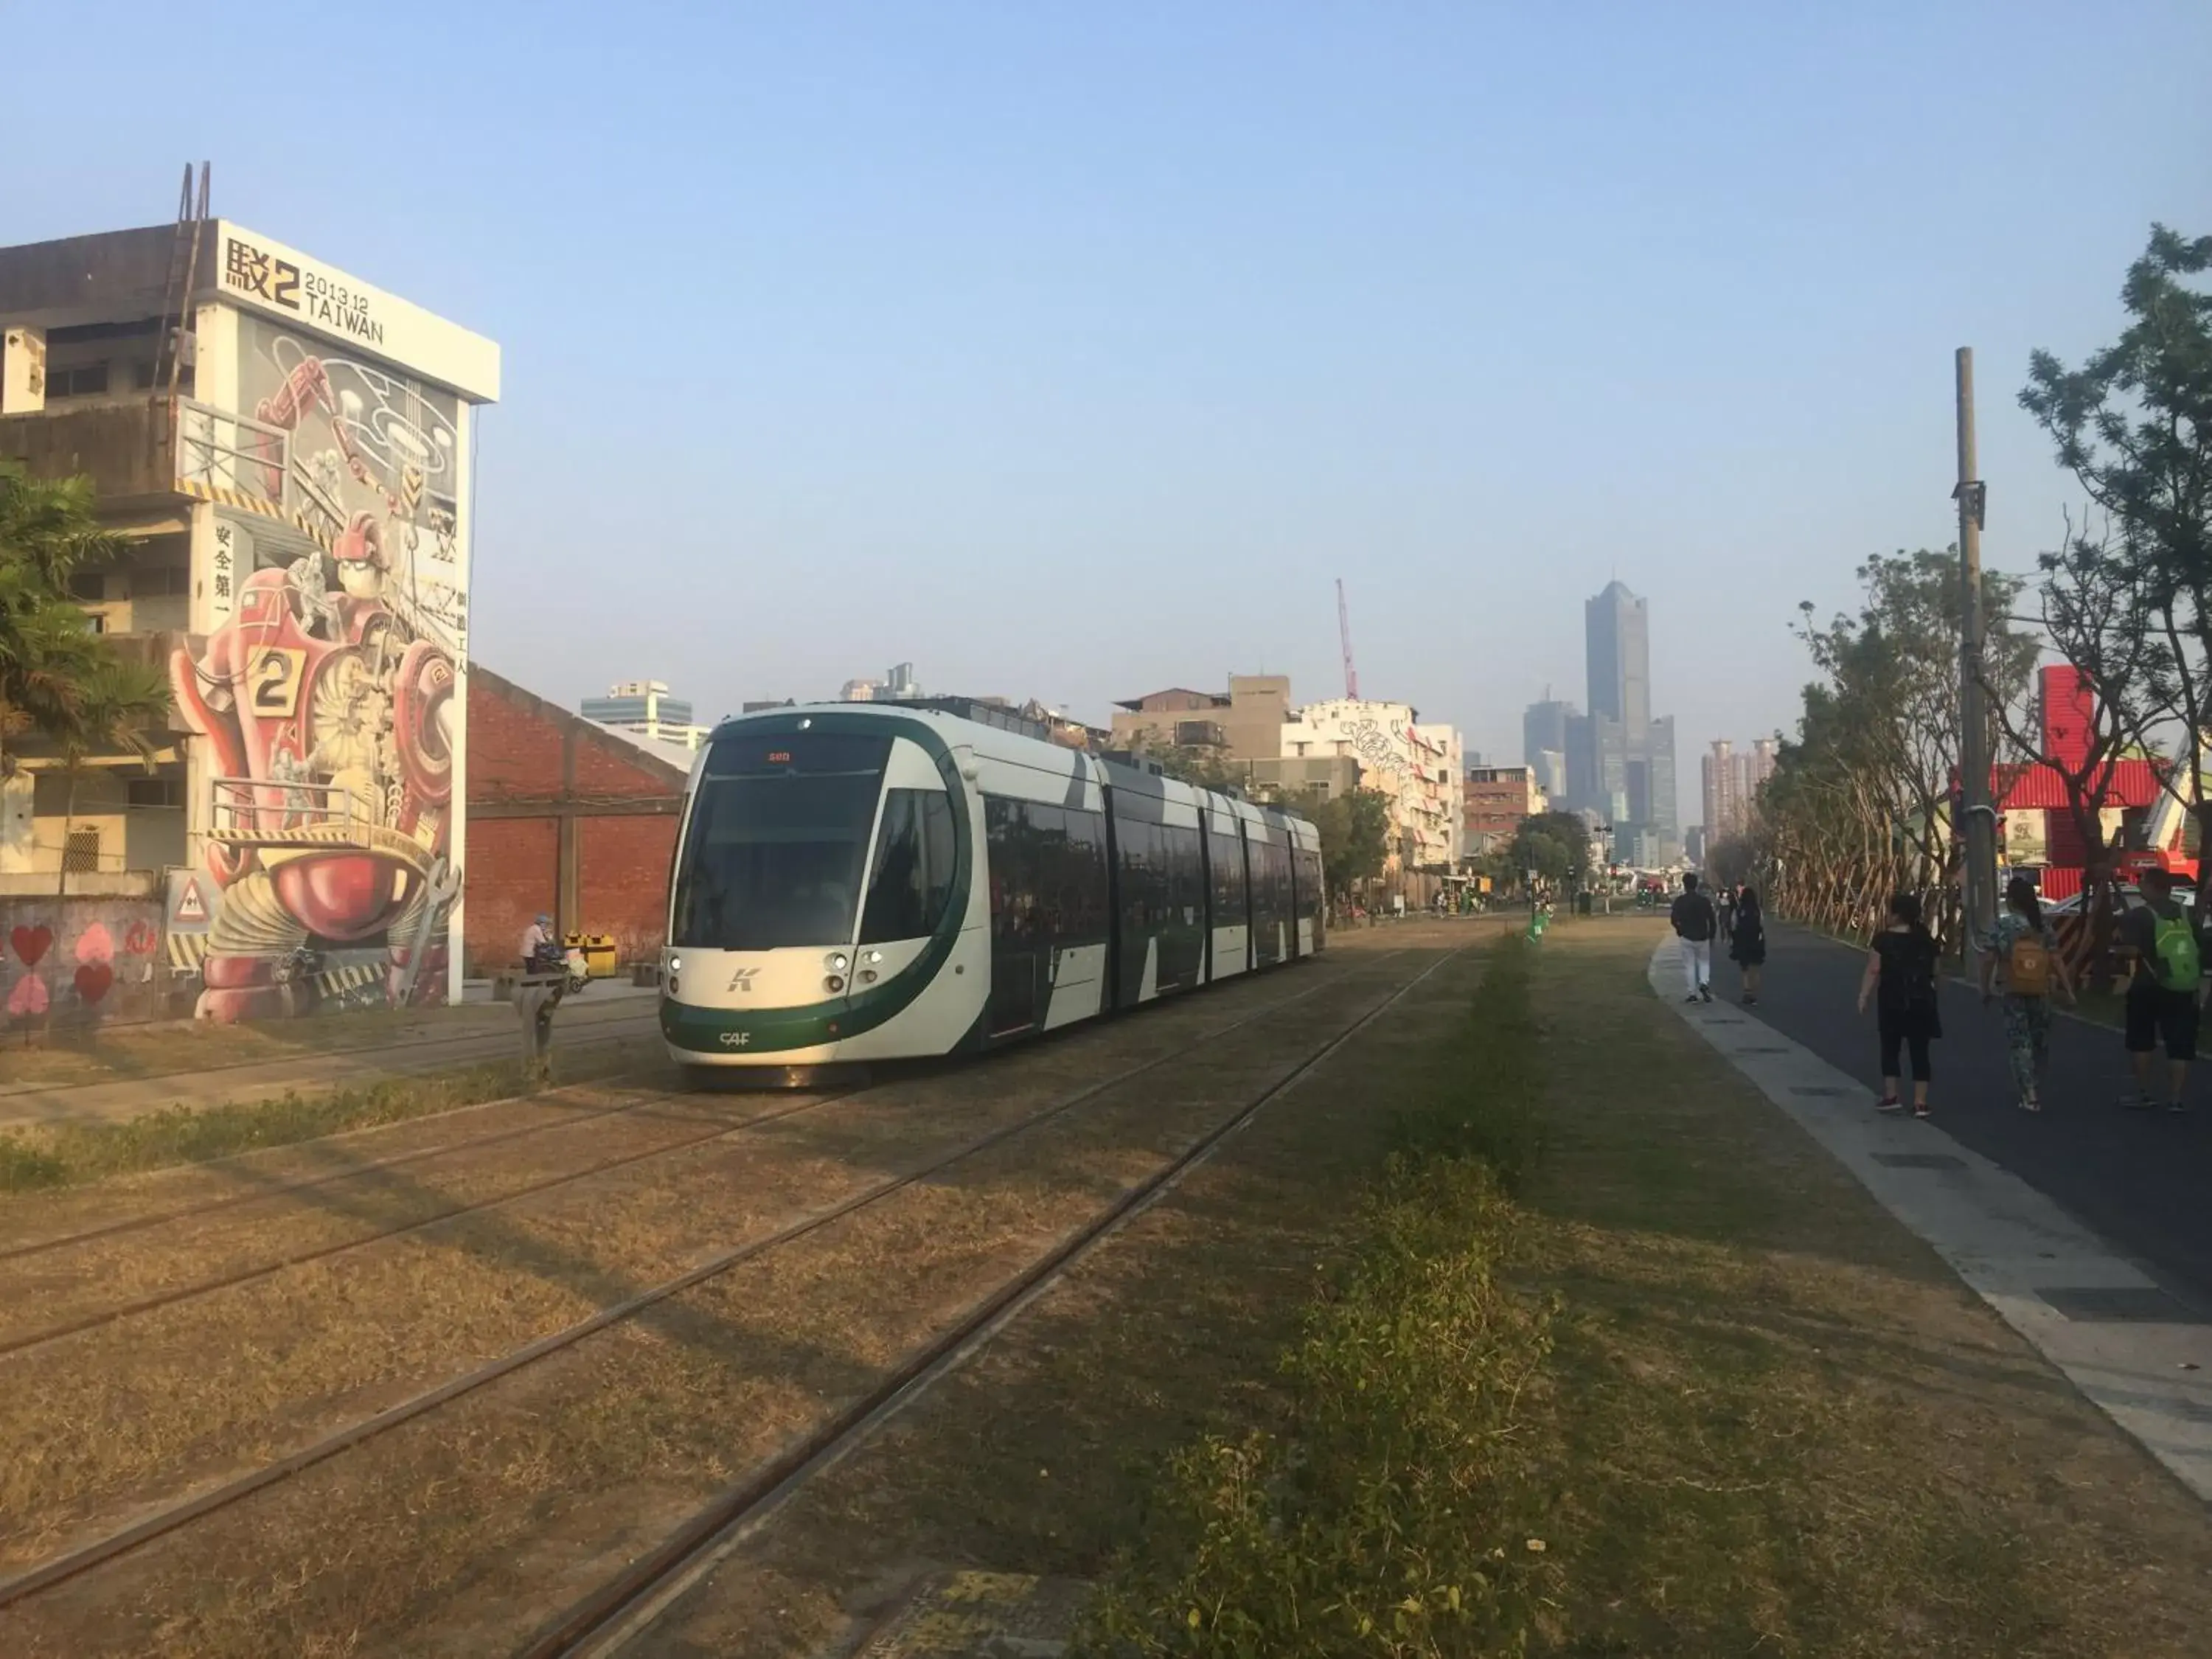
{"type": "Point", "coordinates": [1071, 351]}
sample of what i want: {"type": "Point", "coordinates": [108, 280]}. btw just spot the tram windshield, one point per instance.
{"type": "Point", "coordinates": [777, 847]}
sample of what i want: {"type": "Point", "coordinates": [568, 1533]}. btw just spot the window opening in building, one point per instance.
{"type": "Point", "coordinates": [81, 380]}
{"type": "Point", "coordinates": [81, 852]}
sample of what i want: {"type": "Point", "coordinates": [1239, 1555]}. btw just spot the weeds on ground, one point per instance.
{"type": "Point", "coordinates": [1391, 1515]}
{"type": "Point", "coordinates": [67, 1155]}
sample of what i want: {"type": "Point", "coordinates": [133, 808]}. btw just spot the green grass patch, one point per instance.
{"type": "Point", "coordinates": [67, 1155]}
{"type": "Point", "coordinates": [1393, 1511]}
{"type": "Point", "coordinates": [1620, 1362]}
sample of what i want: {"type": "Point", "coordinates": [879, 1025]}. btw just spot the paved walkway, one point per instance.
{"type": "Point", "coordinates": [2143, 1180]}
{"type": "Point", "coordinates": [2126, 1329]}
{"type": "Point", "coordinates": [476, 1033]}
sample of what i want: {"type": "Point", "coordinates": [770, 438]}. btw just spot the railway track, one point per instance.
{"type": "Point", "coordinates": [215, 1205]}
{"type": "Point", "coordinates": [627, 1026]}
{"type": "Point", "coordinates": [210, 1286]}
{"type": "Point", "coordinates": [88, 1558]}
{"type": "Point", "coordinates": [628, 1603]}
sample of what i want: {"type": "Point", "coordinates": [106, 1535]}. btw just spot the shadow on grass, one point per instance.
{"type": "Point", "coordinates": [1773, 1423]}
{"type": "Point", "coordinates": [736, 1343]}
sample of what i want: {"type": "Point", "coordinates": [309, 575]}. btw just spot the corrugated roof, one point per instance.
{"type": "Point", "coordinates": [2130, 783]}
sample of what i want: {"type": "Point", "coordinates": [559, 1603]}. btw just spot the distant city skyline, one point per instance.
{"type": "Point", "coordinates": [1078, 351]}
{"type": "Point", "coordinates": [1618, 759]}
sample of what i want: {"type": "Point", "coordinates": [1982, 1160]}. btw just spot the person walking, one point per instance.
{"type": "Point", "coordinates": [1747, 936]}
{"type": "Point", "coordinates": [1901, 980]}
{"type": "Point", "coordinates": [1695, 924]}
{"type": "Point", "coordinates": [2165, 989]}
{"type": "Point", "coordinates": [2023, 957]}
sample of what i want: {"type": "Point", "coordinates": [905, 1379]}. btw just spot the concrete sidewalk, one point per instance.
{"type": "Point", "coordinates": [477, 1034]}
{"type": "Point", "coordinates": [2142, 1180]}
{"type": "Point", "coordinates": [2120, 1310]}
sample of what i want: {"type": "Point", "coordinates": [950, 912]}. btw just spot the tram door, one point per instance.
{"type": "Point", "coordinates": [1019, 961]}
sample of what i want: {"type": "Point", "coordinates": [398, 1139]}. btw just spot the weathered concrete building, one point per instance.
{"type": "Point", "coordinates": [1499, 800]}
{"type": "Point", "coordinates": [287, 449]}
{"type": "Point", "coordinates": [1245, 723]}
{"type": "Point", "coordinates": [1418, 766]}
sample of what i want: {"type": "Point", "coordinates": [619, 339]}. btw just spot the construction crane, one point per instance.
{"type": "Point", "coordinates": [1344, 632]}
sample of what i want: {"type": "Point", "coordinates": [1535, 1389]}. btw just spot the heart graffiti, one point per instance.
{"type": "Point", "coordinates": [31, 944]}
{"type": "Point", "coordinates": [95, 944]}
{"type": "Point", "coordinates": [29, 997]}
{"type": "Point", "coordinates": [92, 981]}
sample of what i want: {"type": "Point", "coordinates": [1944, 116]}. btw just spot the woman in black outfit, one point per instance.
{"type": "Point", "coordinates": [1901, 980]}
{"type": "Point", "coordinates": [1748, 943]}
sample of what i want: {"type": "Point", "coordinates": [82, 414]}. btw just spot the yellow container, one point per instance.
{"type": "Point", "coordinates": [598, 951]}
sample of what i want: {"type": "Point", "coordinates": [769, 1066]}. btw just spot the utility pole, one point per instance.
{"type": "Point", "coordinates": [1978, 827]}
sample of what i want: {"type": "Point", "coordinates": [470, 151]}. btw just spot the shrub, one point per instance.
{"type": "Point", "coordinates": [1393, 1513]}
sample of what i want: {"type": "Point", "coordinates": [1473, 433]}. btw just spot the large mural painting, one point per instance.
{"type": "Point", "coordinates": [327, 691]}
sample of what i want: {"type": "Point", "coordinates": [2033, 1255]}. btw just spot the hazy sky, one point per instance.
{"type": "Point", "coordinates": [1073, 351]}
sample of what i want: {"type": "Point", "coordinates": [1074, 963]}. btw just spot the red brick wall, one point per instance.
{"type": "Point", "coordinates": [524, 752]}
{"type": "Point", "coordinates": [625, 881]}
{"type": "Point", "coordinates": [513, 872]}
{"type": "Point", "coordinates": [511, 750]}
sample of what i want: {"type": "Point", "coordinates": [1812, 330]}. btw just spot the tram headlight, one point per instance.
{"type": "Point", "coordinates": [874, 959]}
{"type": "Point", "coordinates": [837, 962]}
{"type": "Point", "coordinates": [835, 983]}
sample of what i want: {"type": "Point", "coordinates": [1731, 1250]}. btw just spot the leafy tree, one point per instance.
{"type": "Point", "coordinates": [60, 682]}
{"type": "Point", "coordinates": [1862, 797]}
{"type": "Point", "coordinates": [47, 531]}
{"type": "Point", "coordinates": [1203, 767]}
{"type": "Point", "coordinates": [1355, 836]}
{"type": "Point", "coordinates": [117, 705]}
{"type": "Point", "coordinates": [1555, 845]}
{"type": "Point", "coordinates": [1730, 861]}
{"type": "Point", "coordinates": [2133, 423]}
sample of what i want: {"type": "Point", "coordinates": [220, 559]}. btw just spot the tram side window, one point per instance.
{"type": "Point", "coordinates": [1308, 868]}
{"type": "Point", "coordinates": [1142, 894]}
{"type": "Point", "coordinates": [1227, 853]}
{"type": "Point", "coordinates": [1182, 936]}
{"type": "Point", "coordinates": [913, 875]}
{"type": "Point", "coordinates": [1013, 868]}
{"type": "Point", "coordinates": [1271, 900]}
{"type": "Point", "coordinates": [1072, 864]}
{"type": "Point", "coordinates": [1048, 871]}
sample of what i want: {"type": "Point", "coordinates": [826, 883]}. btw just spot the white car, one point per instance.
{"type": "Point", "coordinates": [2130, 898]}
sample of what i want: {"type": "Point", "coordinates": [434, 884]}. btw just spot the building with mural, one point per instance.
{"type": "Point", "coordinates": [1418, 766]}
{"type": "Point", "coordinates": [288, 450]}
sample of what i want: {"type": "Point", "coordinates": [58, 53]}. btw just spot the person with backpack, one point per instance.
{"type": "Point", "coordinates": [1747, 942]}
{"type": "Point", "coordinates": [1695, 924]}
{"type": "Point", "coordinates": [2022, 951]}
{"type": "Point", "coordinates": [2165, 990]}
{"type": "Point", "coordinates": [1901, 980]}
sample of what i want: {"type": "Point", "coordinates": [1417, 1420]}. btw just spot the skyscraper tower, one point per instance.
{"type": "Point", "coordinates": [1619, 643]}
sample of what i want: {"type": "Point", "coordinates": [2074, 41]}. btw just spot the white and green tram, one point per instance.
{"type": "Point", "coordinates": [857, 882]}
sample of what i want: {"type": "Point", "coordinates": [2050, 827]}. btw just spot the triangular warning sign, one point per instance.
{"type": "Point", "coordinates": [191, 906]}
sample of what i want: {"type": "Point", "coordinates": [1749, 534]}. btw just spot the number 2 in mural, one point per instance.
{"type": "Point", "coordinates": [273, 677]}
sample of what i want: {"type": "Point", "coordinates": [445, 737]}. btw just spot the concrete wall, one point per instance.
{"type": "Point", "coordinates": [79, 962]}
